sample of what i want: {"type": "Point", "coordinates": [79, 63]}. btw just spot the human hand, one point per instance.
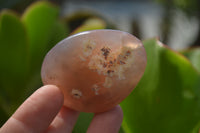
{"type": "Point", "coordinates": [43, 112]}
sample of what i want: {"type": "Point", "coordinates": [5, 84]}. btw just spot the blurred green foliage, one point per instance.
{"type": "Point", "coordinates": [24, 41]}
{"type": "Point", "coordinates": [166, 100]}
{"type": "Point", "coordinates": [193, 54]}
{"type": "Point", "coordinates": [188, 6]}
{"type": "Point", "coordinates": [39, 20]}
{"type": "Point", "coordinates": [14, 60]}
{"type": "Point", "coordinates": [90, 24]}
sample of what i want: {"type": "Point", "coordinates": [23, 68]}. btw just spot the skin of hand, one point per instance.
{"type": "Point", "coordinates": [43, 112]}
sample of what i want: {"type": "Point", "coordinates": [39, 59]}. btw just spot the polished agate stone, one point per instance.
{"type": "Point", "coordinates": [96, 69]}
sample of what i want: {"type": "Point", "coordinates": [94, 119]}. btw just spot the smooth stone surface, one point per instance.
{"type": "Point", "coordinates": [95, 70]}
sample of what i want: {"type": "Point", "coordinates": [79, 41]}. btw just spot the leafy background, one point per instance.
{"type": "Point", "coordinates": [167, 99]}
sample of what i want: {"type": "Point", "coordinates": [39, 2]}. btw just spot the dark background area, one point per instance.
{"type": "Point", "coordinates": [175, 22]}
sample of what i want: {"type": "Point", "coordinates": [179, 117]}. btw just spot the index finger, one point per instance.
{"type": "Point", "coordinates": [36, 113]}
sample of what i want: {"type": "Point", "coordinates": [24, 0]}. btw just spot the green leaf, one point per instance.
{"type": "Point", "coordinates": [194, 56]}
{"type": "Point", "coordinates": [197, 128]}
{"type": "Point", "coordinates": [166, 100]}
{"type": "Point", "coordinates": [59, 32]}
{"type": "Point", "coordinates": [91, 24]}
{"type": "Point", "coordinates": [3, 115]}
{"type": "Point", "coordinates": [39, 21]}
{"type": "Point", "coordinates": [13, 56]}
{"type": "Point", "coordinates": [83, 122]}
